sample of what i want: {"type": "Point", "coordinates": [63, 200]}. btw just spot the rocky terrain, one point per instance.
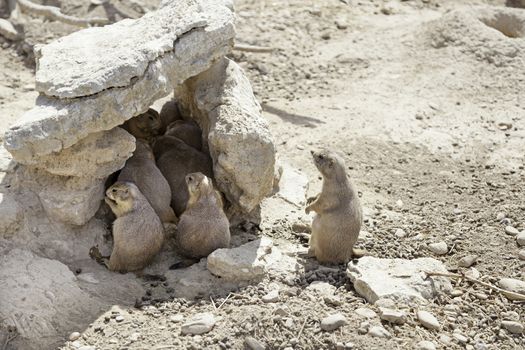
{"type": "Point", "coordinates": [423, 100]}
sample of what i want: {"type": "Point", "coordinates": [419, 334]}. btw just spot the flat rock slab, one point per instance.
{"type": "Point", "coordinates": [97, 78]}
{"type": "Point", "coordinates": [293, 186]}
{"type": "Point", "coordinates": [397, 279]}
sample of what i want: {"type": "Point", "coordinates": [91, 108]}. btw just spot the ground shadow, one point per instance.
{"type": "Point", "coordinates": [292, 118]}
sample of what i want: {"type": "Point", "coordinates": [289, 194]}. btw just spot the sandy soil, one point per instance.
{"type": "Point", "coordinates": [434, 139]}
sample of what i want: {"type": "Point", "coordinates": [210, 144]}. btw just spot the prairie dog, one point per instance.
{"type": "Point", "coordinates": [143, 172]}
{"type": "Point", "coordinates": [203, 227]}
{"type": "Point", "coordinates": [144, 126]}
{"type": "Point", "coordinates": [169, 113]}
{"type": "Point", "coordinates": [187, 131]}
{"type": "Point", "coordinates": [138, 234]}
{"type": "Point", "coordinates": [338, 218]}
{"type": "Point", "coordinates": [175, 160]}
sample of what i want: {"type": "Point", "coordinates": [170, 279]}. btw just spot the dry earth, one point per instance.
{"type": "Point", "coordinates": [434, 138]}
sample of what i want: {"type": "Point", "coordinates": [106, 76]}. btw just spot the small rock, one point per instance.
{"type": "Point", "coordinates": [521, 254]}
{"type": "Point", "coordinates": [365, 312]}
{"type": "Point", "coordinates": [500, 216]}
{"type": "Point", "coordinates": [512, 231]}
{"type": "Point", "coordinates": [510, 316]}
{"type": "Point", "coordinates": [439, 248]}
{"type": "Point", "coordinates": [520, 238]}
{"type": "Point", "coordinates": [425, 345]}
{"type": "Point", "coordinates": [254, 344]}
{"type": "Point", "coordinates": [134, 337]}
{"type": "Point", "coordinates": [480, 346]}
{"type": "Point", "coordinates": [339, 346]}
{"type": "Point", "coordinates": [333, 322]}
{"type": "Point", "coordinates": [512, 326]}
{"type": "Point", "coordinates": [8, 30]}
{"type": "Point", "coordinates": [176, 318]}
{"type": "Point", "coordinates": [468, 261]}
{"type": "Point", "coordinates": [428, 320]}
{"type": "Point", "coordinates": [87, 347]}
{"type": "Point", "coordinates": [445, 340]}
{"type": "Point", "coordinates": [400, 233]}
{"type": "Point", "coordinates": [512, 285]}
{"type": "Point", "coordinates": [460, 338]}
{"type": "Point", "coordinates": [271, 297]}
{"type": "Point", "coordinates": [393, 316]}
{"type": "Point", "coordinates": [74, 336]}
{"type": "Point", "coordinates": [473, 272]}
{"type": "Point", "coordinates": [378, 332]}
{"type": "Point", "coordinates": [349, 345]}
{"type": "Point", "coordinates": [333, 300]}
{"type": "Point", "coordinates": [199, 324]}
{"type": "Point", "coordinates": [119, 318]}
{"type": "Point", "coordinates": [399, 203]}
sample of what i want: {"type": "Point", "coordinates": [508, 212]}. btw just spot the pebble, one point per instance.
{"type": "Point", "coordinates": [393, 316]}
{"type": "Point", "coordinates": [400, 233]}
{"type": "Point", "coordinates": [134, 337]}
{"type": "Point", "coordinates": [425, 345]}
{"type": "Point", "coordinates": [378, 332]}
{"type": "Point", "coordinates": [510, 230]}
{"type": "Point", "coordinates": [512, 326]}
{"type": "Point", "coordinates": [460, 338]}
{"type": "Point", "coordinates": [520, 238]}
{"type": "Point", "coordinates": [510, 316]}
{"type": "Point", "coordinates": [199, 324]}
{"type": "Point", "coordinates": [428, 320]}
{"type": "Point", "coordinates": [512, 285]}
{"type": "Point", "coordinates": [87, 347]}
{"type": "Point", "coordinates": [445, 339]}
{"type": "Point", "coordinates": [439, 248]}
{"type": "Point", "coordinates": [271, 297]}
{"type": "Point", "coordinates": [349, 345]}
{"type": "Point", "coordinates": [473, 272]}
{"type": "Point", "coordinates": [332, 322]}
{"type": "Point", "coordinates": [468, 261]}
{"type": "Point", "coordinates": [500, 216]}
{"type": "Point", "coordinates": [456, 293]}
{"type": "Point", "coordinates": [74, 336]}
{"type": "Point", "coordinates": [253, 344]}
{"type": "Point", "coordinates": [365, 312]}
{"type": "Point", "coordinates": [480, 346]}
{"type": "Point", "coordinates": [521, 254]}
{"type": "Point", "coordinates": [176, 318]}
{"type": "Point", "coordinates": [119, 318]}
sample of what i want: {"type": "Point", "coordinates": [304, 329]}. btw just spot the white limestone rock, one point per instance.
{"type": "Point", "coordinates": [238, 138]}
{"type": "Point", "coordinates": [98, 155]}
{"type": "Point", "coordinates": [246, 262]}
{"type": "Point", "coordinates": [199, 324]}
{"type": "Point", "coordinates": [106, 75]}
{"type": "Point", "coordinates": [512, 285]}
{"type": "Point", "coordinates": [397, 279]}
{"type": "Point", "coordinates": [293, 185]}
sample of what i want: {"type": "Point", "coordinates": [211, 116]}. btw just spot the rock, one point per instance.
{"type": "Point", "coordinates": [500, 216]}
{"type": "Point", "coordinates": [130, 64]}
{"type": "Point", "coordinates": [74, 336]}
{"type": "Point", "coordinates": [135, 336]}
{"type": "Point", "coordinates": [521, 254]}
{"type": "Point", "coordinates": [425, 345]}
{"type": "Point", "coordinates": [271, 297]}
{"type": "Point", "coordinates": [512, 231]}
{"type": "Point", "coordinates": [39, 296]}
{"type": "Point", "coordinates": [293, 186]}
{"type": "Point", "coordinates": [468, 261]}
{"type": "Point", "coordinates": [242, 263]}
{"type": "Point", "coordinates": [332, 322]}
{"type": "Point", "coordinates": [400, 233]}
{"type": "Point", "coordinates": [473, 272]}
{"type": "Point", "coordinates": [365, 312]}
{"type": "Point", "coordinates": [379, 332]}
{"type": "Point", "coordinates": [7, 164]}
{"type": "Point", "coordinates": [253, 344]}
{"type": "Point", "coordinates": [119, 318]}
{"type": "Point", "coordinates": [510, 316]}
{"type": "Point", "coordinates": [512, 285]}
{"type": "Point", "coordinates": [11, 214]}
{"type": "Point", "coordinates": [8, 31]}
{"type": "Point", "coordinates": [520, 238]}
{"type": "Point", "coordinates": [397, 279]}
{"type": "Point", "coordinates": [98, 155]}
{"type": "Point", "coordinates": [445, 339]}
{"type": "Point", "coordinates": [460, 338]}
{"type": "Point", "coordinates": [199, 324]}
{"type": "Point", "coordinates": [512, 326]}
{"type": "Point", "coordinates": [439, 248]}
{"type": "Point", "coordinates": [240, 144]}
{"type": "Point", "coordinates": [428, 320]}
{"type": "Point", "coordinates": [321, 288]}
{"type": "Point", "coordinates": [176, 318]}
{"type": "Point", "coordinates": [392, 316]}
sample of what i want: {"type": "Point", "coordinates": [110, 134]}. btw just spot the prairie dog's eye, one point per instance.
{"type": "Point", "coordinates": [321, 156]}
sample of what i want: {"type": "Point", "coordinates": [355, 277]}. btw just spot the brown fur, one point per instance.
{"type": "Point", "coordinates": [143, 172]}
{"type": "Point", "coordinates": [144, 126]}
{"type": "Point", "coordinates": [169, 113]}
{"type": "Point", "coordinates": [175, 160]}
{"type": "Point", "coordinates": [138, 234]}
{"type": "Point", "coordinates": [336, 225]}
{"type": "Point", "coordinates": [203, 227]}
{"type": "Point", "coordinates": [187, 131]}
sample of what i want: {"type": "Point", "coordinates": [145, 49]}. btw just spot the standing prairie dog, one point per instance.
{"type": "Point", "coordinates": [143, 172]}
{"type": "Point", "coordinates": [138, 234]}
{"type": "Point", "coordinates": [175, 160]}
{"type": "Point", "coordinates": [144, 126]}
{"type": "Point", "coordinates": [338, 218]}
{"type": "Point", "coordinates": [203, 227]}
